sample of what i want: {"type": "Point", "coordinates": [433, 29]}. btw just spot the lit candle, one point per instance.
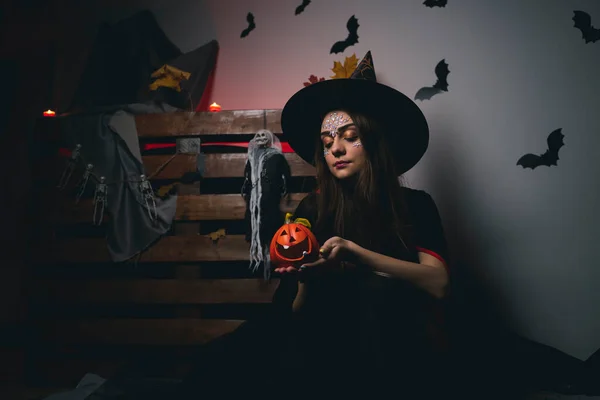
{"type": "Point", "coordinates": [49, 113]}
{"type": "Point", "coordinates": [214, 107]}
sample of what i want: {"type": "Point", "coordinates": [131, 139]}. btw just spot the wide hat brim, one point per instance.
{"type": "Point", "coordinates": [402, 122]}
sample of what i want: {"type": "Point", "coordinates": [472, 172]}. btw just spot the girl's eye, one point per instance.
{"type": "Point", "coordinates": [352, 138]}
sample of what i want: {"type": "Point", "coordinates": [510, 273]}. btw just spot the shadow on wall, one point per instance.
{"type": "Point", "coordinates": [487, 349]}
{"type": "Point", "coordinates": [474, 302]}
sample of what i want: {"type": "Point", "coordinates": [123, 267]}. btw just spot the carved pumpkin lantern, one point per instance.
{"type": "Point", "coordinates": [293, 244]}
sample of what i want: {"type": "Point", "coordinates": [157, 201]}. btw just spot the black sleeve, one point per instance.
{"type": "Point", "coordinates": [429, 231]}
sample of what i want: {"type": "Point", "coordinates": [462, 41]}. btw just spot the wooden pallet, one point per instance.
{"type": "Point", "coordinates": [87, 314]}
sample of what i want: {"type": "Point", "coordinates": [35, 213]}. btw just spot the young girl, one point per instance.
{"type": "Point", "coordinates": [363, 315]}
{"type": "Point", "coordinates": [368, 306]}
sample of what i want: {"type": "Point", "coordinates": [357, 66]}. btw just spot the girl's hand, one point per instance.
{"type": "Point", "coordinates": [335, 254]}
{"type": "Point", "coordinates": [286, 270]}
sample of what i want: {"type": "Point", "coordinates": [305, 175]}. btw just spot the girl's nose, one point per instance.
{"type": "Point", "coordinates": [337, 147]}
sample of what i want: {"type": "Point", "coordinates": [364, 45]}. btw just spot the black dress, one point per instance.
{"type": "Point", "coordinates": [364, 324]}
{"type": "Point", "coordinates": [356, 331]}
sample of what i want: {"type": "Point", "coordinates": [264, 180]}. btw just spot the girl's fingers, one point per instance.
{"type": "Point", "coordinates": [283, 270]}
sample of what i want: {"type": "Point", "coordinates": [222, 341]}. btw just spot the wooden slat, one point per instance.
{"type": "Point", "coordinates": [223, 206]}
{"type": "Point", "coordinates": [167, 249]}
{"type": "Point", "coordinates": [175, 169]}
{"type": "Point", "coordinates": [204, 207]}
{"type": "Point", "coordinates": [223, 165]}
{"type": "Point", "coordinates": [233, 122]}
{"type": "Point", "coordinates": [156, 291]}
{"type": "Point", "coordinates": [176, 331]}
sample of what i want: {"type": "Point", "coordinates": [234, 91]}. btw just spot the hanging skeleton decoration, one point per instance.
{"type": "Point", "coordinates": [266, 174]}
{"type": "Point", "coordinates": [83, 182]}
{"type": "Point", "coordinates": [148, 195]}
{"type": "Point", "coordinates": [100, 199]}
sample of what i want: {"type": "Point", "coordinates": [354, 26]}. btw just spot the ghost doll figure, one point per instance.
{"type": "Point", "coordinates": [266, 176]}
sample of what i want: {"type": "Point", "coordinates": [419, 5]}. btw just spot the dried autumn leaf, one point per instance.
{"type": "Point", "coordinates": [344, 70]}
{"type": "Point", "coordinates": [216, 235]}
{"type": "Point", "coordinates": [313, 79]}
{"type": "Point", "coordinates": [163, 191]}
{"type": "Point", "coordinates": [168, 76]}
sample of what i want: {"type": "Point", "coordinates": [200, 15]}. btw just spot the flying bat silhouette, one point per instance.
{"type": "Point", "coordinates": [550, 156]}
{"type": "Point", "coordinates": [435, 3]}
{"type": "Point", "coordinates": [302, 6]}
{"type": "Point", "coordinates": [251, 25]}
{"type": "Point", "coordinates": [583, 22]}
{"type": "Point", "coordinates": [352, 38]}
{"type": "Point", "coordinates": [441, 85]}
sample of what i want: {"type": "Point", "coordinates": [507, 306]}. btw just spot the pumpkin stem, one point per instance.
{"type": "Point", "coordinates": [303, 221]}
{"type": "Point", "coordinates": [288, 217]}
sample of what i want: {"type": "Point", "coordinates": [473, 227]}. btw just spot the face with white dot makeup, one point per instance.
{"type": "Point", "coordinates": [342, 148]}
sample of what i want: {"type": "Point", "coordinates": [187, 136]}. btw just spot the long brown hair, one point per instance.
{"type": "Point", "coordinates": [370, 210]}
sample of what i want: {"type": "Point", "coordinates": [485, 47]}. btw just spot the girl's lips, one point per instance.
{"type": "Point", "coordinates": [341, 164]}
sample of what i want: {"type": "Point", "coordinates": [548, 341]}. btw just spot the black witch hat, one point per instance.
{"type": "Point", "coordinates": [402, 122]}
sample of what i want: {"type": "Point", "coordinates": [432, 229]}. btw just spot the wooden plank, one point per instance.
{"type": "Point", "coordinates": [156, 291]}
{"type": "Point", "coordinates": [191, 190]}
{"type": "Point", "coordinates": [204, 207]}
{"type": "Point", "coordinates": [223, 206]}
{"type": "Point", "coordinates": [166, 249]}
{"type": "Point", "coordinates": [176, 331]}
{"type": "Point", "coordinates": [231, 122]}
{"type": "Point", "coordinates": [221, 165]}
{"type": "Point", "coordinates": [231, 165]}
{"type": "Point", "coordinates": [175, 169]}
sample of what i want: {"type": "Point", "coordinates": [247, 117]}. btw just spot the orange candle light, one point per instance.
{"type": "Point", "coordinates": [214, 107]}
{"type": "Point", "coordinates": [49, 113]}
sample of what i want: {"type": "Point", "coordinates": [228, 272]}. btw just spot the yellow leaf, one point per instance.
{"type": "Point", "coordinates": [164, 190]}
{"type": "Point", "coordinates": [216, 235]}
{"type": "Point", "coordinates": [168, 76]}
{"type": "Point", "coordinates": [344, 70]}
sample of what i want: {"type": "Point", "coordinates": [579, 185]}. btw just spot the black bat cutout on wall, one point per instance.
{"type": "Point", "coordinates": [251, 25]}
{"type": "Point", "coordinates": [435, 3]}
{"type": "Point", "coordinates": [550, 156]}
{"type": "Point", "coordinates": [352, 38]}
{"type": "Point", "coordinates": [441, 85]}
{"type": "Point", "coordinates": [302, 6]}
{"type": "Point", "coordinates": [583, 22]}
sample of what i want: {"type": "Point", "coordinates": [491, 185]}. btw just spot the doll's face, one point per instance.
{"type": "Point", "coordinates": [342, 148]}
{"type": "Point", "coordinates": [262, 139]}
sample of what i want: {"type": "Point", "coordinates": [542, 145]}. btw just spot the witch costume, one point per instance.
{"type": "Point", "coordinates": [266, 176]}
{"type": "Point", "coordinates": [359, 329]}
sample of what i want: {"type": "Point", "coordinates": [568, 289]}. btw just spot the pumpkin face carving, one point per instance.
{"type": "Point", "coordinates": [293, 243]}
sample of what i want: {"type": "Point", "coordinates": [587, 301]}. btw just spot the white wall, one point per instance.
{"type": "Point", "coordinates": [519, 70]}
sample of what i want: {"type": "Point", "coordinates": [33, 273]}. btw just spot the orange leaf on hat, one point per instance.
{"type": "Point", "coordinates": [313, 79]}
{"type": "Point", "coordinates": [344, 70]}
